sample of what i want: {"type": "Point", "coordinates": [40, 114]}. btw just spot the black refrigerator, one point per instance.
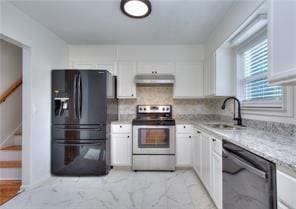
{"type": "Point", "coordinates": [83, 105]}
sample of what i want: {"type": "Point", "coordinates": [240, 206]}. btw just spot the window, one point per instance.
{"type": "Point", "coordinates": [254, 89]}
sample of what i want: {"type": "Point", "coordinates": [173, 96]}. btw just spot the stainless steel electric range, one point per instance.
{"type": "Point", "coordinates": [154, 141]}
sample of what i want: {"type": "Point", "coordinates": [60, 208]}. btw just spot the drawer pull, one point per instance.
{"type": "Point", "coordinates": [213, 140]}
{"type": "Point", "coordinates": [184, 126]}
{"type": "Point", "coordinates": [198, 132]}
{"type": "Point", "coordinates": [128, 136]}
{"type": "Point", "coordinates": [189, 137]}
{"type": "Point", "coordinates": [120, 126]}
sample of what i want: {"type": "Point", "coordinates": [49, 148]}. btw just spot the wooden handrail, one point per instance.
{"type": "Point", "coordinates": [11, 89]}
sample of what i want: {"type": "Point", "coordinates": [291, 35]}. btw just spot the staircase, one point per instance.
{"type": "Point", "coordinates": [10, 169]}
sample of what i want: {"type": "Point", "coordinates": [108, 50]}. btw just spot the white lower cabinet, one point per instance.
{"type": "Point", "coordinates": [184, 150]}
{"type": "Point", "coordinates": [206, 162]}
{"type": "Point", "coordinates": [121, 145]}
{"type": "Point", "coordinates": [286, 190]}
{"type": "Point", "coordinates": [197, 151]}
{"type": "Point", "coordinates": [217, 173]}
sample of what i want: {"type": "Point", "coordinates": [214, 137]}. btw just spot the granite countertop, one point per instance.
{"type": "Point", "coordinates": [276, 148]}
{"type": "Point", "coordinates": [122, 121]}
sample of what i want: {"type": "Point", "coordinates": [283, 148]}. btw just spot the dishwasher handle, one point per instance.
{"type": "Point", "coordinates": [244, 164]}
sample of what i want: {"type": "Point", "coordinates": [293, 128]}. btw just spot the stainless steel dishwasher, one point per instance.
{"type": "Point", "coordinates": [249, 181]}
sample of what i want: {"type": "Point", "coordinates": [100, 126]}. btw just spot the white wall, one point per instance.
{"type": "Point", "coordinates": [11, 109]}
{"type": "Point", "coordinates": [43, 50]}
{"type": "Point", "coordinates": [236, 15]}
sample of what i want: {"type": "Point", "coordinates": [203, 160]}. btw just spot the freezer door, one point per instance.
{"type": "Point", "coordinates": [78, 134]}
{"type": "Point", "coordinates": [79, 159]}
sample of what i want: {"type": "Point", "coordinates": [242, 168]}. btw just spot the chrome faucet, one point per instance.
{"type": "Point", "coordinates": [239, 117]}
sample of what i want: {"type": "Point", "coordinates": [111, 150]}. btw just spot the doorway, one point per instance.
{"type": "Point", "coordinates": [11, 71]}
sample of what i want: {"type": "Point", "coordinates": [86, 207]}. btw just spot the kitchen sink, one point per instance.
{"type": "Point", "coordinates": [224, 126]}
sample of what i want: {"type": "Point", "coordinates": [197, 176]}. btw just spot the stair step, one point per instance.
{"type": "Point", "coordinates": [12, 148]}
{"type": "Point", "coordinates": [10, 173]}
{"type": "Point", "coordinates": [10, 155]}
{"type": "Point", "coordinates": [10, 164]}
{"type": "Point", "coordinates": [8, 189]}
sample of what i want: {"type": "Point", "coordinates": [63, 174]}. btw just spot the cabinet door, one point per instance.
{"type": "Point", "coordinates": [111, 67]}
{"type": "Point", "coordinates": [197, 152]}
{"type": "Point", "coordinates": [282, 41]}
{"type": "Point", "coordinates": [126, 86]}
{"type": "Point", "coordinates": [217, 179]}
{"type": "Point", "coordinates": [121, 146]}
{"type": "Point", "coordinates": [286, 189]}
{"type": "Point", "coordinates": [155, 68]}
{"type": "Point", "coordinates": [206, 161]}
{"type": "Point", "coordinates": [192, 73]}
{"type": "Point", "coordinates": [184, 150]}
{"type": "Point", "coordinates": [209, 76]}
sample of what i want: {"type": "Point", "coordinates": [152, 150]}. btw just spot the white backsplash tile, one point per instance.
{"type": "Point", "coordinates": [163, 95]}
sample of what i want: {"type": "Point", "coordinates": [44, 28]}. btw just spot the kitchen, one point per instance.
{"type": "Point", "coordinates": [171, 85]}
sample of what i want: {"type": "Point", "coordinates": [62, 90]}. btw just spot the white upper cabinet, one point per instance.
{"type": "Point", "coordinates": [219, 73]}
{"type": "Point", "coordinates": [110, 66]}
{"type": "Point", "coordinates": [282, 41]}
{"type": "Point", "coordinates": [126, 87]}
{"type": "Point", "coordinates": [188, 80]}
{"type": "Point", "coordinates": [155, 68]}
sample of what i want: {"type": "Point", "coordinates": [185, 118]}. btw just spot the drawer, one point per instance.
{"type": "Point", "coordinates": [286, 189]}
{"type": "Point", "coordinates": [217, 146]}
{"type": "Point", "coordinates": [121, 128]}
{"type": "Point", "coordinates": [185, 128]}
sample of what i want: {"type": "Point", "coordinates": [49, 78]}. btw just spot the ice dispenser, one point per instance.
{"type": "Point", "coordinates": [61, 102]}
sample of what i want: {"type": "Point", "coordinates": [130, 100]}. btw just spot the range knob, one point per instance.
{"type": "Point", "coordinates": [144, 109]}
{"type": "Point", "coordinates": [140, 108]}
{"type": "Point", "coordinates": [168, 109]}
{"type": "Point", "coordinates": [163, 109]}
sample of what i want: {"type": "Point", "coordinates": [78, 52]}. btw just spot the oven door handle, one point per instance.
{"type": "Point", "coordinates": [245, 165]}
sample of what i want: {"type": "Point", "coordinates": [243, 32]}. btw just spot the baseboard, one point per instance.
{"type": "Point", "coordinates": [37, 184]}
{"type": "Point", "coordinates": [9, 141]}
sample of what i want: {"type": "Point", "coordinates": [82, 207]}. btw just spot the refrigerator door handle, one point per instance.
{"type": "Point", "coordinates": [79, 95]}
{"type": "Point", "coordinates": [75, 95]}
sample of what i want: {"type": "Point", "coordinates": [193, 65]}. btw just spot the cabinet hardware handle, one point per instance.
{"type": "Point", "coordinates": [184, 126]}
{"type": "Point", "coordinates": [198, 132]}
{"type": "Point", "coordinates": [120, 126]}
{"type": "Point", "coordinates": [213, 140]}
{"type": "Point", "coordinates": [128, 136]}
{"type": "Point", "coordinates": [132, 95]}
{"type": "Point", "coordinates": [189, 137]}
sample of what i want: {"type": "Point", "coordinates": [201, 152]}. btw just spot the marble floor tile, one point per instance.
{"type": "Point", "coordinates": [120, 189]}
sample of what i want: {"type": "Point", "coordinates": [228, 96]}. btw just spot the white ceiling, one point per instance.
{"type": "Point", "coordinates": [102, 22]}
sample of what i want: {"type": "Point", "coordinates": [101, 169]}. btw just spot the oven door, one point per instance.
{"type": "Point", "coordinates": [153, 139]}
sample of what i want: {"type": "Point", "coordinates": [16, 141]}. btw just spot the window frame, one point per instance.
{"type": "Point", "coordinates": [260, 104]}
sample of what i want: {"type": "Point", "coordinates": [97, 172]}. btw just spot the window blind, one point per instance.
{"type": "Point", "coordinates": [255, 66]}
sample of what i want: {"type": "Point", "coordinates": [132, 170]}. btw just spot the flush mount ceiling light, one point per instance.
{"type": "Point", "coordinates": [136, 8]}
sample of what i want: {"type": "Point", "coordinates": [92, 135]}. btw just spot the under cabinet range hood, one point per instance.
{"type": "Point", "coordinates": [155, 79]}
